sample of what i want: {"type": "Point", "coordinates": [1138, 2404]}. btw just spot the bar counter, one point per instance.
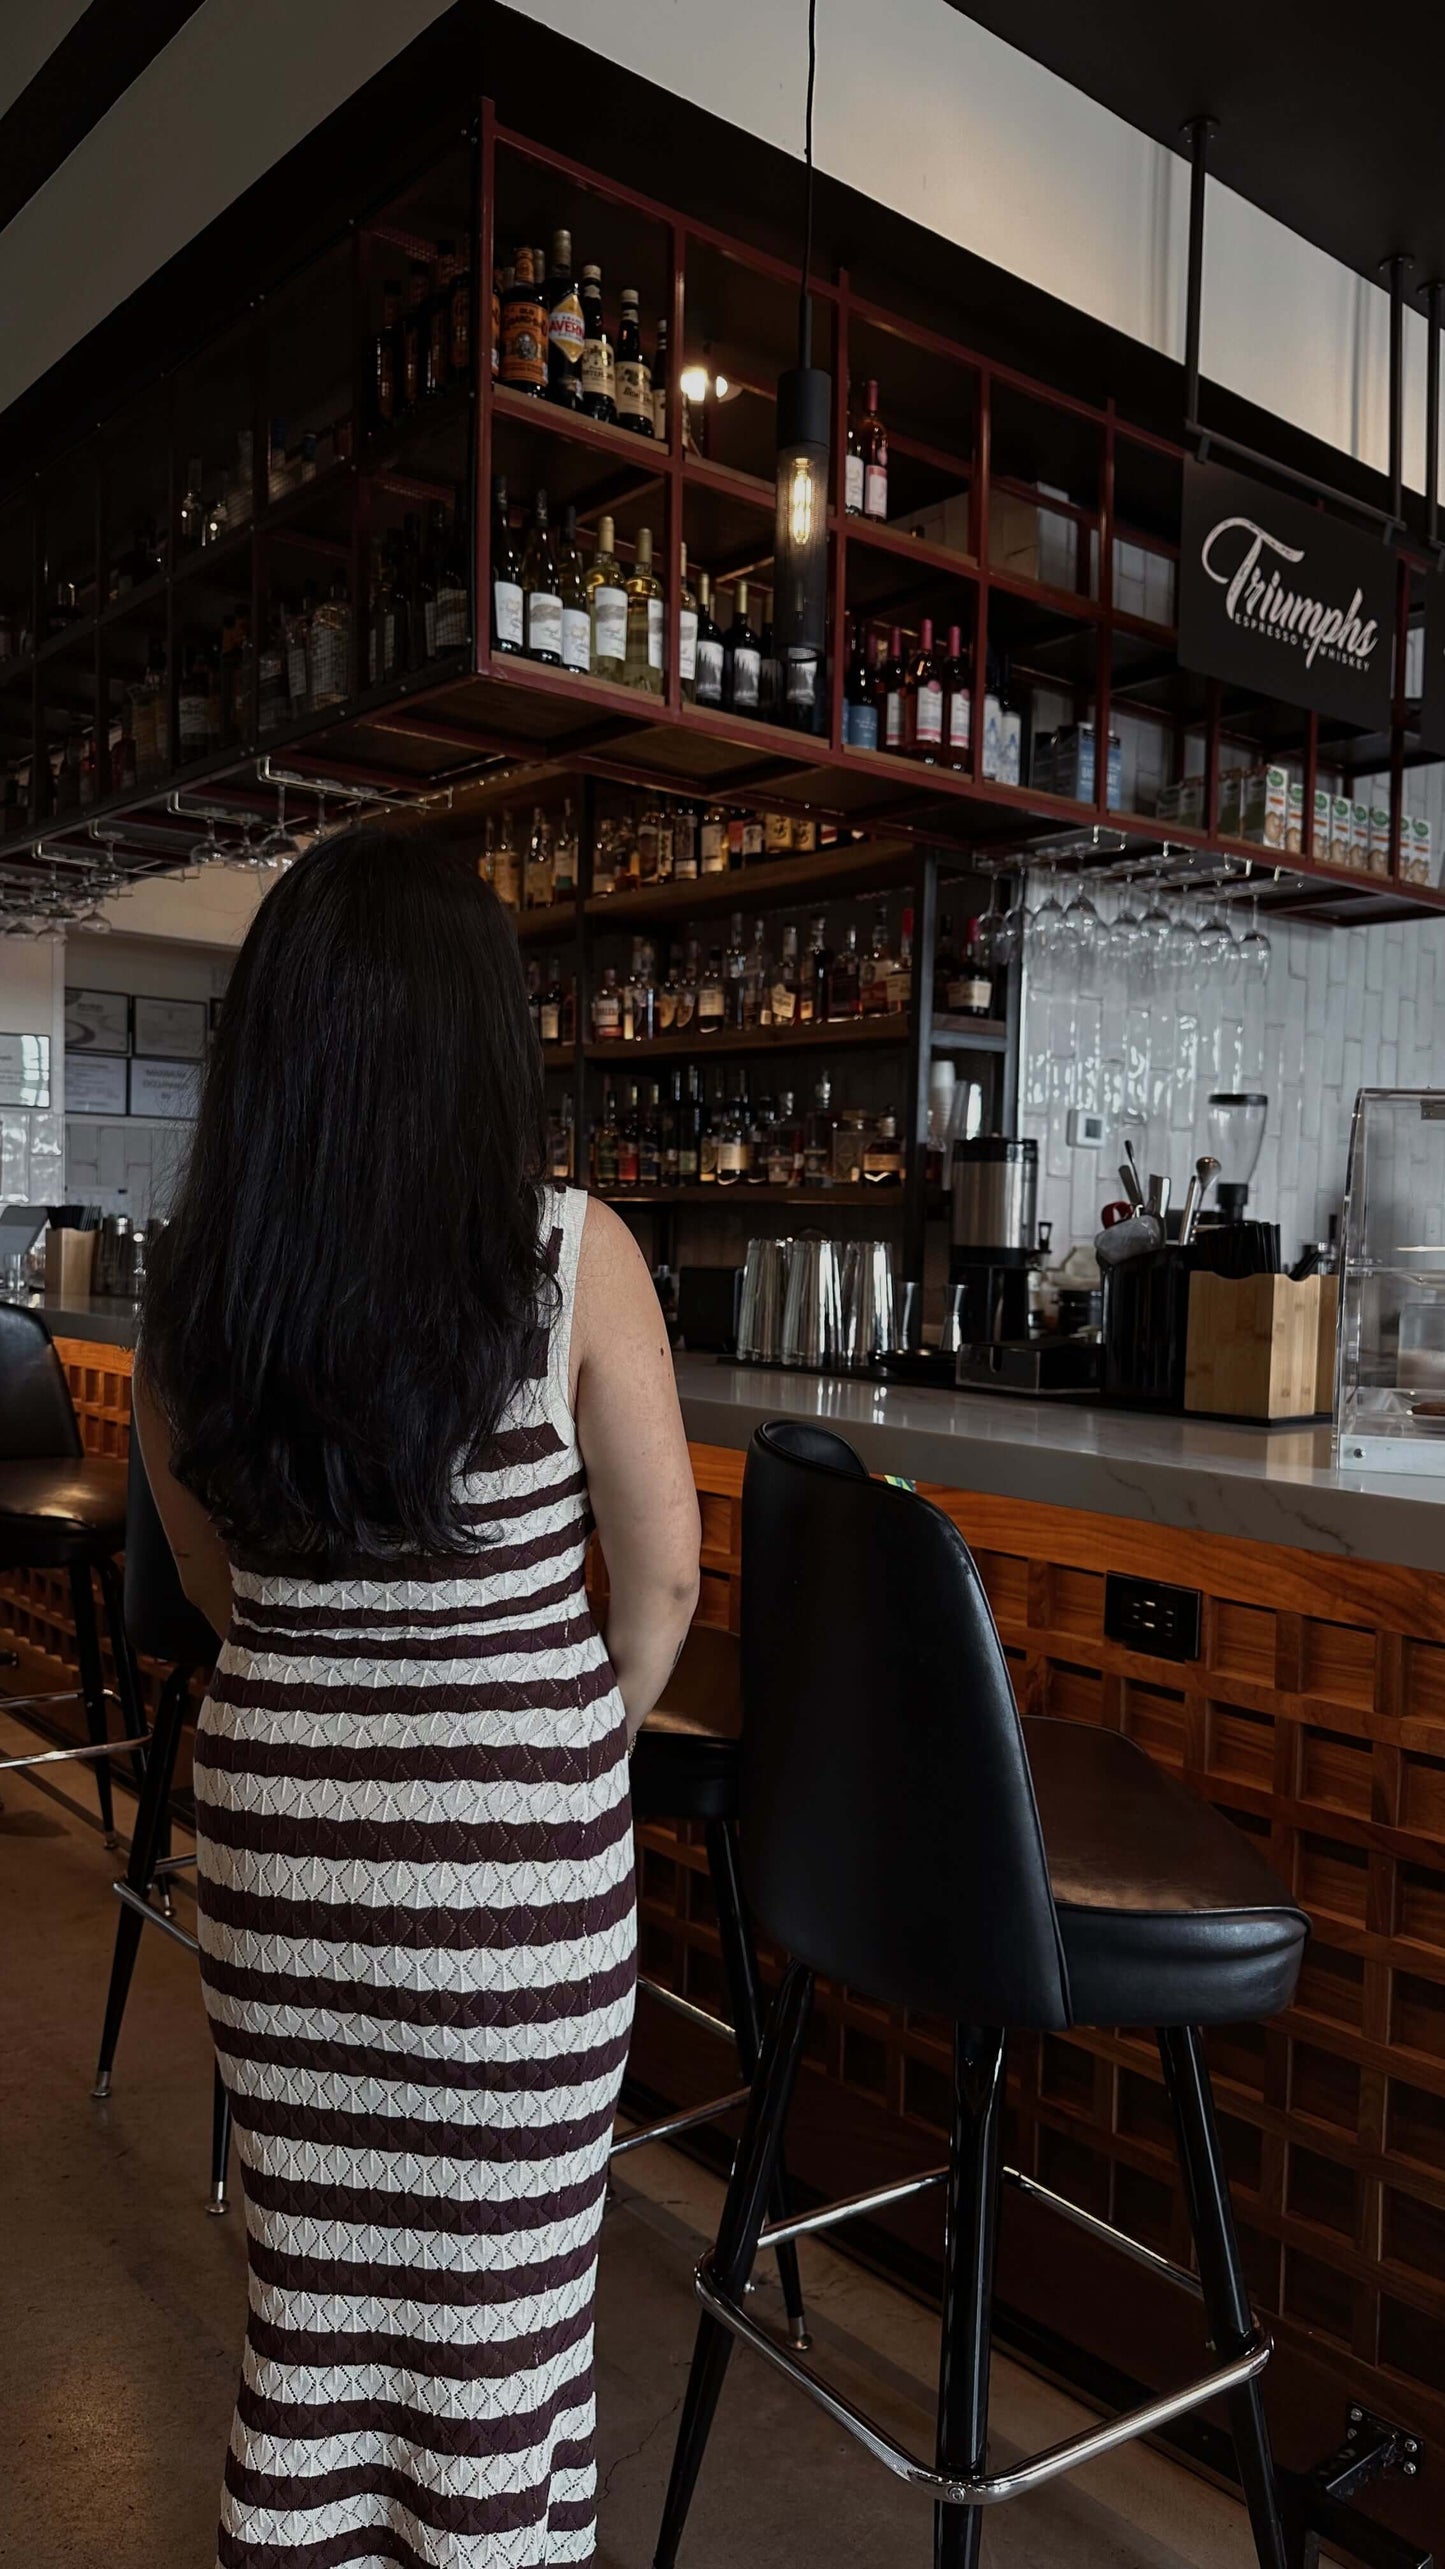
{"type": "Point", "coordinates": [1313, 1714]}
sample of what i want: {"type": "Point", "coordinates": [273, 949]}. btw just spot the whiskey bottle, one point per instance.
{"type": "Point", "coordinates": [957, 702]}
{"type": "Point", "coordinates": [882, 1155]}
{"type": "Point", "coordinates": [564, 856]}
{"type": "Point", "coordinates": [565, 327]}
{"type": "Point", "coordinates": [644, 620]}
{"type": "Point", "coordinates": [524, 332]}
{"type": "Point", "coordinates": [816, 979]}
{"type": "Point", "coordinates": [873, 440]}
{"type": "Point", "coordinates": [382, 363]}
{"type": "Point", "coordinates": [541, 594]}
{"type": "Point", "coordinates": [688, 987]}
{"type": "Point", "coordinates": [607, 1009]}
{"type": "Point", "coordinates": [757, 981]}
{"type": "Point", "coordinates": [844, 979]}
{"type": "Point", "coordinates": [925, 699]}
{"type": "Point", "coordinates": [711, 998]}
{"type": "Point", "coordinates": [742, 658]}
{"type": "Point", "coordinates": [604, 1152]}
{"type": "Point", "coordinates": [900, 970]}
{"type": "Point", "coordinates": [627, 1162]}
{"type": "Point", "coordinates": [873, 971]}
{"type": "Point", "coordinates": [684, 843]}
{"type": "Point", "coordinates": [562, 1147]}
{"type": "Point", "coordinates": [818, 1137]}
{"type": "Point", "coordinates": [507, 605]}
{"type": "Point", "coordinates": [970, 991]}
{"type": "Point", "coordinates": [713, 841]}
{"type": "Point", "coordinates": [732, 1141]}
{"type": "Point", "coordinates": [507, 865]}
{"type": "Point", "coordinates": [550, 1013]}
{"type": "Point", "coordinates": [608, 599]}
{"type": "Point", "coordinates": [673, 1119]}
{"type": "Point", "coordinates": [649, 1139]}
{"type": "Point", "coordinates": [735, 964]}
{"type": "Point", "coordinates": [634, 383]}
{"type": "Point", "coordinates": [595, 366]}
{"type": "Point", "coordinates": [576, 604]}
{"type": "Point", "coordinates": [689, 1130]}
{"type": "Point", "coordinates": [708, 689]}
{"type": "Point", "coordinates": [538, 884]}
{"type": "Point", "coordinates": [687, 617]}
{"type": "Point", "coordinates": [784, 993]}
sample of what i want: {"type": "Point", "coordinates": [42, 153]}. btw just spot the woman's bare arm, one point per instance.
{"type": "Point", "coordinates": [199, 1552]}
{"type": "Point", "coordinates": [630, 1430]}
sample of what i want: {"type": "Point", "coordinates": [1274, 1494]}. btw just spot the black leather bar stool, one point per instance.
{"type": "Point", "coordinates": [163, 1624]}
{"type": "Point", "coordinates": [685, 1766]}
{"type": "Point", "coordinates": [905, 1833]}
{"type": "Point", "coordinates": [61, 1509]}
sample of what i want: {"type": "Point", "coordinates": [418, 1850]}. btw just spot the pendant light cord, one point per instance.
{"type": "Point", "coordinates": [805, 300]}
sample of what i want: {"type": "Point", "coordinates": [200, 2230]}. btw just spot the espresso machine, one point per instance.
{"type": "Point", "coordinates": [996, 1245]}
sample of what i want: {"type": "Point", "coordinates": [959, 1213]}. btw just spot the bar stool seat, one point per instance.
{"type": "Point", "coordinates": [683, 1771]}
{"type": "Point", "coordinates": [1167, 1914]}
{"type": "Point", "coordinates": [76, 1506]}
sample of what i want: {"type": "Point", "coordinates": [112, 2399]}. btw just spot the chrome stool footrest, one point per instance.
{"type": "Point", "coordinates": [155, 1917]}
{"type": "Point", "coordinates": [666, 2125]}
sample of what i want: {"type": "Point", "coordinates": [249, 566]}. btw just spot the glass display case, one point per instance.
{"type": "Point", "coordinates": [1390, 1369]}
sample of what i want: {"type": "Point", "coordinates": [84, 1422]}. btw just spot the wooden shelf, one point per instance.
{"type": "Point", "coordinates": [875, 535]}
{"type": "Point", "coordinates": [845, 1034]}
{"type": "Point", "coordinates": [833, 1199]}
{"type": "Point", "coordinates": [772, 883]}
{"type": "Point", "coordinates": [644, 455]}
{"type": "Point", "coordinates": [556, 922]}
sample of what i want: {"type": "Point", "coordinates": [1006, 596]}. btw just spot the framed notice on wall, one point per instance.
{"type": "Point", "coordinates": [96, 1021]}
{"type": "Point", "coordinates": [166, 1089]}
{"type": "Point", "coordinates": [170, 1029]}
{"type": "Point", "coordinates": [24, 1070]}
{"type": "Point", "coordinates": [95, 1084]}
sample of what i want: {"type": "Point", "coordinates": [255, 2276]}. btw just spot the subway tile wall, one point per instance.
{"type": "Point", "coordinates": [1341, 1009]}
{"type": "Point", "coordinates": [124, 1165]}
{"type": "Point", "coordinates": [32, 1155]}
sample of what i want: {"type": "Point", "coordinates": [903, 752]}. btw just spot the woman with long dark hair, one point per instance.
{"type": "Point", "coordinates": [388, 1382]}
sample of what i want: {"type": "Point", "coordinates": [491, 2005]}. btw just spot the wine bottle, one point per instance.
{"type": "Point", "coordinates": [644, 619]}
{"type": "Point", "coordinates": [576, 604]}
{"type": "Point", "coordinates": [742, 658]}
{"type": "Point", "coordinates": [873, 439]}
{"type": "Point", "coordinates": [687, 629]}
{"type": "Point", "coordinates": [507, 623]}
{"type": "Point", "coordinates": [925, 699]}
{"type": "Point", "coordinates": [709, 687]}
{"type": "Point", "coordinates": [609, 608]}
{"type": "Point", "coordinates": [541, 594]}
{"type": "Point", "coordinates": [860, 694]}
{"type": "Point", "coordinates": [565, 327]}
{"type": "Point", "coordinates": [634, 383]}
{"type": "Point", "coordinates": [599, 393]}
{"type": "Point", "coordinates": [893, 695]}
{"type": "Point", "coordinates": [957, 703]}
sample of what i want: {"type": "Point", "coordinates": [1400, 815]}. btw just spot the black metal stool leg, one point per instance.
{"type": "Point", "coordinates": [1231, 2322]}
{"type": "Point", "coordinates": [92, 1686]}
{"type": "Point", "coordinates": [745, 1995]}
{"type": "Point", "coordinates": [127, 1675]}
{"type": "Point", "coordinates": [971, 2235]}
{"type": "Point", "coordinates": [148, 1840]}
{"type": "Point", "coordinates": [731, 2260]}
{"type": "Point", "coordinates": [220, 2144]}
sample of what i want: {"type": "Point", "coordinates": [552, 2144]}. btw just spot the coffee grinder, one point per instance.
{"type": "Point", "coordinates": [996, 1244]}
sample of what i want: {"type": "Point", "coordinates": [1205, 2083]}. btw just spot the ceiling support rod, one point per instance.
{"type": "Point", "coordinates": [1433, 293]}
{"type": "Point", "coordinates": [1198, 130]}
{"type": "Point", "coordinates": [1395, 269]}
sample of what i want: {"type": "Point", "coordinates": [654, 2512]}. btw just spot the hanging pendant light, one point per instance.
{"type": "Point", "coordinates": [800, 543]}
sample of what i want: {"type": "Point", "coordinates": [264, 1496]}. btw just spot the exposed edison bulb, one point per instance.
{"type": "Point", "coordinates": [803, 498]}
{"type": "Point", "coordinates": [694, 380]}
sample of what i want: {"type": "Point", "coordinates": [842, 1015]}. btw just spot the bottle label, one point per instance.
{"type": "Point", "coordinates": [634, 389]}
{"type": "Point", "coordinates": [576, 639]}
{"type": "Point", "coordinates": [784, 1004]}
{"type": "Point", "coordinates": [429, 626]}
{"type": "Point", "coordinates": [709, 1006]}
{"type": "Point", "coordinates": [544, 622]}
{"type": "Point", "coordinates": [659, 412]}
{"type": "Point", "coordinates": [928, 713]}
{"type": "Point", "coordinates": [893, 722]}
{"type": "Point", "coordinates": [714, 847]}
{"type": "Point", "coordinates": [969, 996]}
{"type": "Point", "coordinates": [551, 1022]}
{"type": "Point", "coordinates": [732, 1158]}
{"type": "Point", "coordinates": [524, 347]}
{"type": "Point", "coordinates": [960, 717]}
{"type": "Point", "coordinates": [687, 642]}
{"type": "Point", "coordinates": [654, 633]}
{"type": "Point", "coordinates": [746, 667]}
{"type": "Point", "coordinates": [449, 624]}
{"type": "Point", "coordinates": [860, 726]}
{"type": "Point", "coordinates": [564, 335]}
{"type": "Point", "coordinates": [709, 672]}
{"type": "Point", "coordinates": [853, 485]}
{"type": "Point", "coordinates": [507, 611]}
{"type": "Point", "coordinates": [606, 1016]}
{"type": "Point", "coordinates": [900, 988]}
{"type": "Point", "coordinates": [875, 491]}
{"type": "Point", "coordinates": [595, 367]}
{"type": "Point", "coordinates": [609, 625]}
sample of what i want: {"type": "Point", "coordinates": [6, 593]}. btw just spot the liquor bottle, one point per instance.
{"type": "Point", "coordinates": [818, 1137]}
{"type": "Point", "coordinates": [507, 607]}
{"type": "Point", "coordinates": [816, 978]}
{"type": "Point", "coordinates": [437, 366]}
{"type": "Point", "coordinates": [607, 1009]}
{"type": "Point", "coordinates": [534, 997]}
{"type": "Point", "coordinates": [673, 1120]}
{"type": "Point", "coordinates": [690, 1129]}
{"type": "Point", "coordinates": [627, 1165]}
{"type": "Point", "coordinates": [882, 1154]}
{"type": "Point", "coordinates": [331, 647]}
{"type": "Point", "coordinates": [459, 324]}
{"type": "Point", "coordinates": [271, 706]}
{"type": "Point", "coordinates": [783, 1152]}
{"type": "Point", "coordinates": [732, 1141]}
{"type": "Point", "coordinates": [1010, 733]}
{"type": "Point", "coordinates": [709, 1119]}
{"type": "Point", "coordinates": [742, 658]}
{"type": "Point", "coordinates": [970, 990]}
{"type": "Point", "coordinates": [649, 1139]}
{"type": "Point", "coordinates": [599, 391]}
{"type": "Point", "coordinates": [382, 362]}
{"type": "Point", "coordinates": [873, 439]}
{"type": "Point", "coordinates": [413, 338]}
{"type": "Point", "coordinates": [873, 971]}
{"type": "Point", "coordinates": [608, 598]}
{"type": "Point", "coordinates": [540, 592]}
{"type": "Point", "coordinates": [709, 684]}
{"type": "Point", "coordinates": [957, 702]}
{"type": "Point", "coordinates": [924, 738]}
{"type": "Point", "coordinates": [524, 332]}
{"type": "Point", "coordinates": [565, 327]}
{"type": "Point", "coordinates": [687, 627]}
{"type": "Point", "coordinates": [783, 998]}
{"type": "Point", "coordinates": [685, 821]}
{"type": "Point", "coordinates": [860, 694]}
{"type": "Point", "coordinates": [853, 467]}
{"type": "Point", "coordinates": [576, 604]}
{"type": "Point", "coordinates": [501, 279]}
{"type": "Point", "coordinates": [644, 619]}
{"type": "Point", "coordinates": [688, 986]}
{"type": "Point", "coordinates": [659, 385]}
{"type": "Point", "coordinates": [604, 1156]}
{"type": "Point", "coordinates": [735, 964]}
{"type": "Point", "coordinates": [507, 865]}
{"type": "Point", "coordinates": [634, 384]}
{"type": "Point", "coordinates": [844, 979]}
{"type": "Point", "coordinates": [893, 695]}
{"type": "Point", "coordinates": [647, 842]}
{"type": "Point", "coordinates": [538, 881]}
{"type": "Point", "coordinates": [193, 515]}
{"type": "Point", "coordinates": [643, 991]}
{"type": "Point", "coordinates": [562, 1151]}
{"type": "Point", "coordinates": [711, 996]}
{"type": "Point", "coordinates": [713, 841]}
{"type": "Point", "coordinates": [900, 970]}
{"type": "Point", "coordinates": [298, 652]}
{"type": "Point", "coordinates": [757, 982]}
{"type": "Point", "coordinates": [452, 622]}
{"type": "Point", "coordinates": [564, 856]}
{"type": "Point", "coordinates": [550, 1013]}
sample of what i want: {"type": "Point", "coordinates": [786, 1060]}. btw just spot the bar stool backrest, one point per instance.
{"type": "Point", "coordinates": [889, 1833]}
{"type": "Point", "coordinates": [37, 1415]}
{"type": "Point", "coordinates": [159, 1616]}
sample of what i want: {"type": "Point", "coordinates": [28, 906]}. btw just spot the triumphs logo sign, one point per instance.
{"type": "Point", "coordinates": [1282, 599]}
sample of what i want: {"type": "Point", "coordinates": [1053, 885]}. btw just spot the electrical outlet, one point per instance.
{"type": "Point", "coordinates": [1143, 1614]}
{"type": "Point", "coordinates": [1085, 1129]}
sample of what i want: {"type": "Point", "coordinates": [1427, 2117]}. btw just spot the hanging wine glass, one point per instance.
{"type": "Point", "coordinates": [1254, 947]}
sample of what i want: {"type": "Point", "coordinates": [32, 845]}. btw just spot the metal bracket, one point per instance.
{"type": "Point", "coordinates": [1317, 2503]}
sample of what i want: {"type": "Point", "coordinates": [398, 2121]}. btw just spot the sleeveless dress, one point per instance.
{"type": "Point", "coordinates": [417, 1930]}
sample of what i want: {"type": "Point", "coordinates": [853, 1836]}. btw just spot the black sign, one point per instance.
{"type": "Point", "coordinates": [1282, 599]}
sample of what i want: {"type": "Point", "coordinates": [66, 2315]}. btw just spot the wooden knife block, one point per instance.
{"type": "Point", "coordinates": [1254, 1346]}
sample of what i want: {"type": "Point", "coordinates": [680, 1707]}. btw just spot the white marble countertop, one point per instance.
{"type": "Point", "coordinates": [1269, 1485]}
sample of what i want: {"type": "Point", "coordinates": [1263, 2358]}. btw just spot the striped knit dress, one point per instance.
{"type": "Point", "coordinates": [417, 1939]}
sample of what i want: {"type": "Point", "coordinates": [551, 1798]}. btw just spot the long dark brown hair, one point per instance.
{"type": "Point", "coordinates": [349, 1292]}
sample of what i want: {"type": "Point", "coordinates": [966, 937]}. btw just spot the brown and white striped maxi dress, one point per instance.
{"type": "Point", "coordinates": [417, 1937]}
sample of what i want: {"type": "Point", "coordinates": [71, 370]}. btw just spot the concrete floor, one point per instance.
{"type": "Point", "coordinates": [122, 2309]}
